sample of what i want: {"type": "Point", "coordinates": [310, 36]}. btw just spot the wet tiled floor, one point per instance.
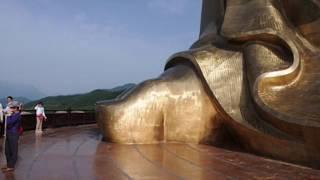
{"type": "Point", "coordinates": [78, 153]}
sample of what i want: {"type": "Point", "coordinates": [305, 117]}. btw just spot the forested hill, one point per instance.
{"type": "Point", "coordinates": [79, 101]}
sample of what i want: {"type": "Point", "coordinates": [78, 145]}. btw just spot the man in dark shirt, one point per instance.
{"type": "Point", "coordinates": [12, 137]}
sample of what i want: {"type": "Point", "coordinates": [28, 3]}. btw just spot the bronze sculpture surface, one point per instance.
{"type": "Point", "coordinates": [253, 75]}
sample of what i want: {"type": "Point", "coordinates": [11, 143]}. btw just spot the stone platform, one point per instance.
{"type": "Point", "coordinates": [78, 153]}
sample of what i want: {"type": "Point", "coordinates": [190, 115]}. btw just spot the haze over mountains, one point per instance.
{"type": "Point", "coordinates": [23, 100]}
{"type": "Point", "coordinates": [19, 90]}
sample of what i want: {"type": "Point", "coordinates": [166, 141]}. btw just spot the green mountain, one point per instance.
{"type": "Point", "coordinates": [79, 101]}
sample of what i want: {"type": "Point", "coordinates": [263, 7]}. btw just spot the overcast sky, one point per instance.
{"type": "Point", "coordinates": [74, 46]}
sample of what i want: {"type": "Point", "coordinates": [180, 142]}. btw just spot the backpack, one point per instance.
{"type": "Point", "coordinates": [20, 130]}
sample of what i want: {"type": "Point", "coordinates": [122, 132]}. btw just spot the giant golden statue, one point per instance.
{"type": "Point", "coordinates": [252, 78]}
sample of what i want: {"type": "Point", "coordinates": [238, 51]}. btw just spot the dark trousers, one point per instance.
{"type": "Point", "coordinates": [11, 149]}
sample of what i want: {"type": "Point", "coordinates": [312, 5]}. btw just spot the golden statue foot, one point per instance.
{"type": "Point", "coordinates": [162, 109]}
{"type": "Point", "coordinates": [253, 75]}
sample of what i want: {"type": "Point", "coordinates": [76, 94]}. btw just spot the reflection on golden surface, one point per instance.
{"type": "Point", "coordinates": [253, 75]}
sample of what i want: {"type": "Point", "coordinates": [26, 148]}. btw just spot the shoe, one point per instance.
{"type": "Point", "coordinates": [4, 167]}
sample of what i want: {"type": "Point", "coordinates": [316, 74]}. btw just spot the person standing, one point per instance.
{"type": "Point", "coordinates": [40, 117]}
{"type": "Point", "coordinates": [13, 125]}
{"type": "Point", "coordinates": [1, 119]}
{"type": "Point", "coordinates": [7, 112]}
{"type": "Point", "coordinates": [1, 113]}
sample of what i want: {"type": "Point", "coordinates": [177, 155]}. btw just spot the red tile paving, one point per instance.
{"type": "Point", "coordinates": [78, 153]}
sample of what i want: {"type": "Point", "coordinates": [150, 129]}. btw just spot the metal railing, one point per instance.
{"type": "Point", "coordinates": [57, 119]}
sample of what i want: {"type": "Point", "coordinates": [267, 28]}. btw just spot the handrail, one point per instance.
{"type": "Point", "coordinates": [56, 120]}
